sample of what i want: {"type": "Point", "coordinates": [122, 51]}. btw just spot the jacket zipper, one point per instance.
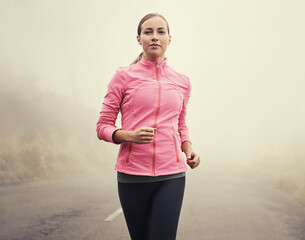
{"type": "Point", "coordinates": [176, 150]}
{"type": "Point", "coordinates": [156, 118]}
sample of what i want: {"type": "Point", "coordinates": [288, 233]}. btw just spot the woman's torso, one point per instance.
{"type": "Point", "coordinates": [153, 97]}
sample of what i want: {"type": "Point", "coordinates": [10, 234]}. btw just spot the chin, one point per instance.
{"type": "Point", "coordinates": [154, 54]}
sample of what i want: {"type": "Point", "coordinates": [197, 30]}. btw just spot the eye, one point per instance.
{"type": "Point", "coordinates": [162, 32]}
{"type": "Point", "coordinates": [147, 32]}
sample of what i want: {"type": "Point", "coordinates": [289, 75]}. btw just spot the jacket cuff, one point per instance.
{"type": "Point", "coordinates": [185, 138]}
{"type": "Point", "coordinates": [108, 133]}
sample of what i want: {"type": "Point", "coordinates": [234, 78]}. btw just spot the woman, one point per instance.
{"type": "Point", "coordinates": [152, 98]}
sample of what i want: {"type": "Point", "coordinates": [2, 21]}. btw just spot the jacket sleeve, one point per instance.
{"type": "Point", "coordinates": [105, 126]}
{"type": "Point", "coordinates": [182, 127]}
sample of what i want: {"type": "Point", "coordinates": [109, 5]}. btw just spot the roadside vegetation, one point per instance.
{"type": "Point", "coordinates": [286, 172]}
{"type": "Point", "coordinates": [45, 135]}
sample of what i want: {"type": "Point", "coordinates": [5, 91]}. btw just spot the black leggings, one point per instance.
{"type": "Point", "coordinates": [152, 210]}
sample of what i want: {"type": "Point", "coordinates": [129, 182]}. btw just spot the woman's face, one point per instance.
{"type": "Point", "coordinates": [154, 38]}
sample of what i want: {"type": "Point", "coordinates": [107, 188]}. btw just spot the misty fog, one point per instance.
{"type": "Point", "coordinates": [245, 60]}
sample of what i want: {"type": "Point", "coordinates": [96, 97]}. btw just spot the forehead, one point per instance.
{"type": "Point", "coordinates": [154, 22]}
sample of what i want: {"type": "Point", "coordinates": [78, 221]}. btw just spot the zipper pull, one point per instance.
{"type": "Point", "coordinates": [157, 65]}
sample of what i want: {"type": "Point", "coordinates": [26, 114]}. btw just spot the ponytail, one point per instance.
{"type": "Point", "coordinates": [137, 59]}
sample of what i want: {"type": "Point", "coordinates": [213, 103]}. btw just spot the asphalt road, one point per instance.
{"type": "Point", "coordinates": [222, 202]}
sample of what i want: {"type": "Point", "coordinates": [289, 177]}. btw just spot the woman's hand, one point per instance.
{"type": "Point", "coordinates": [193, 159]}
{"type": "Point", "coordinates": [142, 135]}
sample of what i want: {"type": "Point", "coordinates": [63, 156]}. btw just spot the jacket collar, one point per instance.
{"type": "Point", "coordinates": [151, 64]}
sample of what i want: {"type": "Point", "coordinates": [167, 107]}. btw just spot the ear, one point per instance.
{"type": "Point", "coordinates": [139, 40]}
{"type": "Point", "coordinates": [170, 39]}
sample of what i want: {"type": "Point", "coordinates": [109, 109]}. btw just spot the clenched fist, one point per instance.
{"type": "Point", "coordinates": [143, 135]}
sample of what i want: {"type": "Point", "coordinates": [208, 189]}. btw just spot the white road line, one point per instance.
{"type": "Point", "coordinates": [114, 215]}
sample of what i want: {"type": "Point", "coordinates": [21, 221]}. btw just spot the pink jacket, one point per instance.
{"type": "Point", "coordinates": [148, 94]}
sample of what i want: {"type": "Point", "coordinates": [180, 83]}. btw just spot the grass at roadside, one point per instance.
{"type": "Point", "coordinates": [287, 174]}
{"type": "Point", "coordinates": [45, 135]}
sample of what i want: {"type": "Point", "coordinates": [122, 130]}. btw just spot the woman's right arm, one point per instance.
{"type": "Point", "coordinates": [105, 127]}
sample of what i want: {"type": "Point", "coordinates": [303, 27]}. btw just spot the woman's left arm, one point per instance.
{"type": "Point", "coordinates": [193, 159]}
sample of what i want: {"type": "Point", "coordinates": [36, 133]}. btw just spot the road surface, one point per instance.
{"type": "Point", "coordinates": [221, 203]}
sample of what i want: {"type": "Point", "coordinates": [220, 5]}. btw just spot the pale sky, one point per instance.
{"type": "Point", "coordinates": [245, 59]}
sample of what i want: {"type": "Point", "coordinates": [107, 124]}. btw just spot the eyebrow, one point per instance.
{"type": "Point", "coordinates": [152, 29]}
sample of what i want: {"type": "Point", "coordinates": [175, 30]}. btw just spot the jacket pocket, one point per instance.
{"type": "Point", "coordinates": [176, 148]}
{"type": "Point", "coordinates": [129, 151]}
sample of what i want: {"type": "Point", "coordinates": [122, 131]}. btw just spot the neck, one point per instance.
{"type": "Point", "coordinates": [153, 58]}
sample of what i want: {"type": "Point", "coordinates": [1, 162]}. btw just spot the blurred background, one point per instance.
{"type": "Point", "coordinates": [245, 59]}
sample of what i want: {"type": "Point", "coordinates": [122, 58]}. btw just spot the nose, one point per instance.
{"type": "Point", "coordinates": [155, 38]}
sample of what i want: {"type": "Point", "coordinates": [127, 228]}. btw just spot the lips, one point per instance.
{"type": "Point", "coordinates": [155, 45]}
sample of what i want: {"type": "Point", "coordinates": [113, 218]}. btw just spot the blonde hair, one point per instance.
{"type": "Point", "coordinates": [146, 17]}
